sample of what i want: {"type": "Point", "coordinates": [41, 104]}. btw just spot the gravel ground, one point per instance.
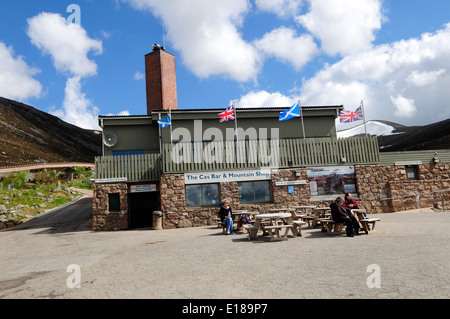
{"type": "Point", "coordinates": [407, 257]}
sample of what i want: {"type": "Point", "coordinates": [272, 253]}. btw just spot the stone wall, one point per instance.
{"type": "Point", "coordinates": [177, 215]}
{"type": "Point", "coordinates": [380, 187]}
{"type": "Point", "coordinates": [102, 218]}
{"type": "Point", "coordinates": [374, 183]}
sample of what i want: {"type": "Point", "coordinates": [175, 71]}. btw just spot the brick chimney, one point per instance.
{"type": "Point", "coordinates": [161, 80]}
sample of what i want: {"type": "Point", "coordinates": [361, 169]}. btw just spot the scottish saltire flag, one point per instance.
{"type": "Point", "coordinates": [350, 117]}
{"type": "Point", "coordinates": [293, 112]}
{"type": "Point", "coordinates": [227, 115]}
{"type": "Point", "coordinates": [167, 122]}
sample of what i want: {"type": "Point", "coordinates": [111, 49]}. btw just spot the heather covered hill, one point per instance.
{"type": "Point", "coordinates": [28, 135]}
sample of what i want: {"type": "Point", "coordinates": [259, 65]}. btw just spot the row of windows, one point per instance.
{"type": "Point", "coordinates": [208, 194]}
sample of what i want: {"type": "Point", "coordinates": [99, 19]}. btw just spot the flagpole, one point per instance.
{"type": "Point", "coordinates": [301, 115]}
{"type": "Point", "coordinates": [171, 125]}
{"type": "Point", "coordinates": [364, 116]}
{"type": "Point", "coordinates": [160, 142]}
{"type": "Point", "coordinates": [235, 122]}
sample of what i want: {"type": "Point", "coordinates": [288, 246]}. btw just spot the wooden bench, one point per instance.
{"type": "Point", "coordinates": [331, 227]}
{"type": "Point", "coordinates": [367, 222]}
{"type": "Point", "coordinates": [299, 224]}
{"type": "Point", "coordinates": [310, 220]}
{"type": "Point", "coordinates": [276, 229]}
{"type": "Point", "coordinates": [251, 229]}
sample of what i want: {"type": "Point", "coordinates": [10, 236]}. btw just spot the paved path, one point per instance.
{"type": "Point", "coordinates": [411, 250]}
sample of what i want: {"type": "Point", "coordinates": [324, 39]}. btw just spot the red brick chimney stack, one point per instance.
{"type": "Point", "coordinates": [161, 80]}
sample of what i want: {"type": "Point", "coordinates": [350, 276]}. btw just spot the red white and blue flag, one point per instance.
{"type": "Point", "coordinates": [227, 115]}
{"type": "Point", "coordinates": [350, 117]}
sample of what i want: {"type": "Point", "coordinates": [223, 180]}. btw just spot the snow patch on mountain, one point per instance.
{"type": "Point", "coordinates": [373, 128]}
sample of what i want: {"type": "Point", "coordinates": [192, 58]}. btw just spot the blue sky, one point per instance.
{"type": "Point", "coordinates": [392, 54]}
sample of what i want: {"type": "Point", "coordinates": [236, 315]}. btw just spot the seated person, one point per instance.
{"type": "Point", "coordinates": [341, 214]}
{"type": "Point", "coordinates": [349, 202]}
{"type": "Point", "coordinates": [226, 216]}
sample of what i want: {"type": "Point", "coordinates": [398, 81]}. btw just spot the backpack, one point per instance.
{"type": "Point", "coordinates": [245, 219]}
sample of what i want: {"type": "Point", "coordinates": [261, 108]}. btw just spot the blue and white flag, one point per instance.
{"type": "Point", "coordinates": [293, 112]}
{"type": "Point", "coordinates": [167, 122]}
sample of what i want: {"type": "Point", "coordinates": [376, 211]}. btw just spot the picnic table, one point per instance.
{"type": "Point", "coordinates": [237, 217]}
{"type": "Point", "coordinates": [304, 209]}
{"type": "Point", "coordinates": [273, 224]}
{"type": "Point", "coordinates": [368, 224]}
{"type": "Point", "coordinates": [317, 214]}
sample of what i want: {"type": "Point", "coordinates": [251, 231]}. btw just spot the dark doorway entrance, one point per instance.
{"type": "Point", "coordinates": [142, 206]}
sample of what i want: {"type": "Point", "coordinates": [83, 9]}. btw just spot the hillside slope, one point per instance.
{"type": "Point", "coordinates": [393, 137]}
{"type": "Point", "coordinates": [28, 135]}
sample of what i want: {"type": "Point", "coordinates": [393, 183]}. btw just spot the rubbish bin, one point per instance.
{"type": "Point", "coordinates": [157, 220]}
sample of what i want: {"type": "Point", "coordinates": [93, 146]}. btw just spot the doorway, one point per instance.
{"type": "Point", "coordinates": [142, 206]}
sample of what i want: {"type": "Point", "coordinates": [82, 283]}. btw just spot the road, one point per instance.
{"type": "Point", "coordinates": [410, 250]}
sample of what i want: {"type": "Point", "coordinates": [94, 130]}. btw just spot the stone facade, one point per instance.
{"type": "Point", "coordinates": [384, 189]}
{"type": "Point", "coordinates": [380, 190]}
{"type": "Point", "coordinates": [102, 218]}
{"type": "Point", "coordinates": [177, 215]}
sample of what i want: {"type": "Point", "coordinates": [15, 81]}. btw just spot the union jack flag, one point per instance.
{"type": "Point", "coordinates": [227, 115]}
{"type": "Point", "coordinates": [350, 117]}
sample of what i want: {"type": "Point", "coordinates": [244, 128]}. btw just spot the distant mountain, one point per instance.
{"type": "Point", "coordinates": [28, 135]}
{"type": "Point", "coordinates": [393, 137]}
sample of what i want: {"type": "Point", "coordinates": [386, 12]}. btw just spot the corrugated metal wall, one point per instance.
{"type": "Point", "coordinates": [314, 127]}
{"type": "Point", "coordinates": [426, 157]}
{"type": "Point", "coordinates": [134, 138]}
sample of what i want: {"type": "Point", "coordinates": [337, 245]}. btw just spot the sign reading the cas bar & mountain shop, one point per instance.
{"type": "Point", "coordinates": [227, 176]}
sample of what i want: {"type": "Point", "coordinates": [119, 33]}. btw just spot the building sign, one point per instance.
{"type": "Point", "coordinates": [111, 180]}
{"type": "Point", "coordinates": [332, 180]}
{"type": "Point", "coordinates": [143, 188]}
{"type": "Point", "coordinates": [290, 183]}
{"type": "Point", "coordinates": [408, 163]}
{"type": "Point", "coordinates": [227, 176]}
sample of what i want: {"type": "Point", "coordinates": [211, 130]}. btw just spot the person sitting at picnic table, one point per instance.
{"type": "Point", "coordinates": [341, 214]}
{"type": "Point", "coordinates": [226, 216]}
{"type": "Point", "coordinates": [349, 202]}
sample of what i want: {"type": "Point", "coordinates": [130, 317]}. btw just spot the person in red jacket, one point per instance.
{"type": "Point", "coordinates": [341, 214]}
{"type": "Point", "coordinates": [349, 202]}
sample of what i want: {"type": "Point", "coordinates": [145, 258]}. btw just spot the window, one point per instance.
{"type": "Point", "coordinates": [202, 195]}
{"type": "Point", "coordinates": [254, 192]}
{"type": "Point", "coordinates": [114, 202]}
{"type": "Point", "coordinates": [122, 153]}
{"type": "Point", "coordinates": [411, 173]}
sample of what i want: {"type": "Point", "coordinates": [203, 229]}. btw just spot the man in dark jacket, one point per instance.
{"type": "Point", "coordinates": [341, 214]}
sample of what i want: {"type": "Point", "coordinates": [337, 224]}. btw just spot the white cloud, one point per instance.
{"type": "Point", "coordinates": [404, 107]}
{"type": "Point", "coordinates": [384, 76]}
{"type": "Point", "coordinates": [138, 76]}
{"type": "Point", "coordinates": [284, 44]}
{"type": "Point", "coordinates": [68, 44]}
{"type": "Point", "coordinates": [266, 99]}
{"type": "Point", "coordinates": [77, 109]}
{"type": "Point", "coordinates": [16, 77]}
{"type": "Point", "coordinates": [422, 79]}
{"type": "Point", "coordinates": [343, 26]}
{"type": "Point", "coordinates": [206, 33]}
{"type": "Point", "coordinates": [282, 8]}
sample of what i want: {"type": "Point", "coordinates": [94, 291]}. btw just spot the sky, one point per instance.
{"type": "Point", "coordinates": [81, 59]}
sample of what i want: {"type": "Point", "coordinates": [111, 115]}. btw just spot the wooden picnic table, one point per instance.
{"type": "Point", "coordinates": [368, 224]}
{"type": "Point", "coordinates": [237, 217]}
{"type": "Point", "coordinates": [273, 224]}
{"type": "Point", "coordinates": [317, 213]}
